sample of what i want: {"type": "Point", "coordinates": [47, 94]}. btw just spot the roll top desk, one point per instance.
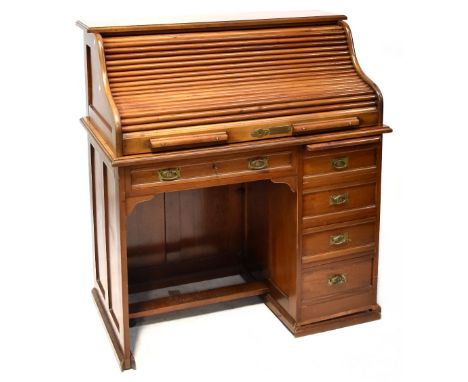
{"type": "Point", "coordinates": [248, 148]}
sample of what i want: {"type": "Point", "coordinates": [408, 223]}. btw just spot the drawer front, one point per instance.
{"type": "Point", "coordinates": [339, 306]}
{"type": "Point", "coordinates": [338, 199]}
{"type": "Point", "coordinates": [333, 242]}
{"type": "Point", "coordinates": [338, 288]}
{"type": "Point", "coordinates": [337, 278]}
{"type": "Point", "coordinates": [340, 161]}
{"type": "Point", "coordinates": [257, 166]}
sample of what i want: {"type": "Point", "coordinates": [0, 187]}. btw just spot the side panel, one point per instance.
{"type": "Point", "coordinates": [99, 101]}
{"type": "Point", "coordinates": [110, 264]}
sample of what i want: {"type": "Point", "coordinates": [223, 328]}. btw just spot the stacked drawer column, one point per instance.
{"type": "Point", "coordinates": [340, 230]}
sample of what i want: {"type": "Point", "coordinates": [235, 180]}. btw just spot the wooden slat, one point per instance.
{"type": "Point", "coordinates": [196, 299]}
{"type": "Point", "coordinates": [260, 96]}
{"type": "Point", "coordinates": [168, 85]}
{"type": "Point", "coordinates": [255, 111]}
{"type": "Point", "coordinates": [246, 116]}
{"type": "Point", "coordinates": [237, 51]}
{"type": "Point", "coordinates": [150, 84]}
{"type": "Point", "coordinates": [210, 59]}
{"type": "Point", "coordinates": [262, 44]}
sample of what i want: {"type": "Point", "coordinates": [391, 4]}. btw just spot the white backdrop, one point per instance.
{"type": "Point", "coordinates": [415, 51]}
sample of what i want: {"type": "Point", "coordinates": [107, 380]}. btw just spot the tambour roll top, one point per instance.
{"type": "Point", "coordinates": [159, 88]}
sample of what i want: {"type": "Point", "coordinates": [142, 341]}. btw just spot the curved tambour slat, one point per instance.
{"type": "Point", "coordinates": [246, 116]}
{"type": "Point", "coordinates": [162, 81]}
{"type": "Point", "coordinates": [237, 73]}
{"type": "Point", "coordinates": [224, 52]}
{"type": "Point", "coordinates": [286, 106]}
{"type": "Point", "coordinates": [211, 59]}
{"type": "Point", "coordinates": [203, 66]}
{"type": "Point", "coordinates": [191, 98]}
{"type": "Point", "coordinates": [254, 98]}
{"type": "Point", "coordinates": [171, 85]}
{"type": "Point", "coordinates": [264, 44]}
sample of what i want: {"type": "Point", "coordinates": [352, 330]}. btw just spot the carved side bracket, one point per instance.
{"type": "Point", "coordinates": [133, 201]}
{"type": "Point", "coordinates": [291, 181]}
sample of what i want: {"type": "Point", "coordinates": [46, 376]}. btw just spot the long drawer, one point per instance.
{"type": "Point", "coordinates": [237, 168]}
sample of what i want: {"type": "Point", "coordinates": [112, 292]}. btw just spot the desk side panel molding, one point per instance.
{"type": "Point", "coordinates": [109, 244]}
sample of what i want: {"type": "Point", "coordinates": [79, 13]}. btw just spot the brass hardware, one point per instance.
{"type": "Point", "coordinates": [339, 199]}
{"type": "Point", "coordinates": [340, 163]}
{"type": "Point", "coordinates": [169, 174]}
{"type": "Point", "coordinates": [340, 239]}
{"type": "Point", "coordinates": [262, 132]}
{"type": "Point", "coordinates": [258, 163]}
{"type": "Point", "coordinates": [337, 279]}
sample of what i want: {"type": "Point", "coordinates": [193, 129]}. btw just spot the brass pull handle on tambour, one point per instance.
{"type": "Point", "coordinates": [339, 199]}
{"type": "Point", "coordinates": [337, 279]}
{"type": "Point", "coordinates": [260, 133]}
{"type": "Point", "coordinates": [340, 239]}
{"type": "Point", "coordinates": [169, 174]}
{"type": "Point", "coordinates": [258, 163]}
{"type": "Point", "coordinates": [275, 130]}
{"type": "Point", "coordinates": [340, 163]}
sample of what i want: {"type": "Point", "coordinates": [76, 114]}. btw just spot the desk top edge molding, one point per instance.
{"type": "Point", "coordinates": [211, 23]}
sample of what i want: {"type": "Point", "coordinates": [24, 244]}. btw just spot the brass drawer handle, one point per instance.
{"type": "Point", "coordinates": [340, 239]}
{"type": "Point", "coordinates": [339, 199]}
{"type": "Point", "coordinates": [337, 279]}
{"type": "Point", "coordinates": [340, 163]}
{"type": "Point", "coordinates": [258, 163]}
{"type": "Point", "coordinates": [169, 174]}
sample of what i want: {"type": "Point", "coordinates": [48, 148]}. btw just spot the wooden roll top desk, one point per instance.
{"type": "Point", "coordinates": [248, 148]}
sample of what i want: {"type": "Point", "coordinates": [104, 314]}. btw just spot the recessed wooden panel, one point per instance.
{"type": "Point", "coordinates": [185, 232]}
{"type": "Point", "coordinates": [146, 234]}
{"type": "Point", "coordinates": [271, 238]}
{"type": "Point", "coordinates": [110, 292]}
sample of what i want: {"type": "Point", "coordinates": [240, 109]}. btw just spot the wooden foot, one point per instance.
{"type": "Point", "coordinates": [336, 323]}
{"type": "Point", "coordinates": [124, 363]}
{"type": "Point", "coordinates": [321, 326]}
